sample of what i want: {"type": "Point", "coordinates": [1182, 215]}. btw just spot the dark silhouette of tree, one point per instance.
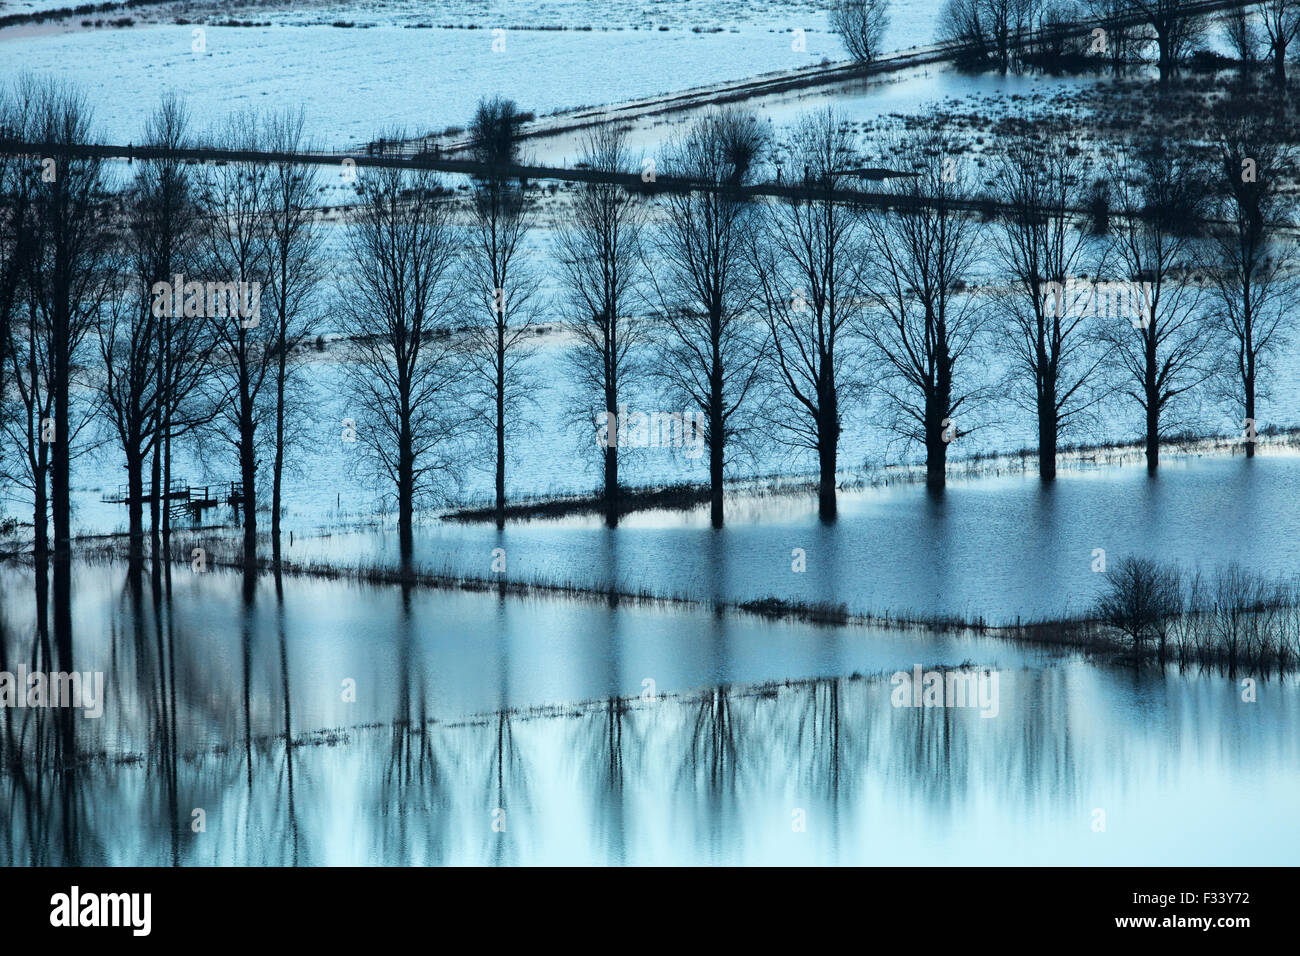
{"type": "Point", "coordinates": [501, 289]}
{"type": "Point", "coordinates": [601, 263]}
{"type": "Point", "coordinates": [923, 320]}
{"type": "Point", "coordinates": [294, 251]}
{"type": "Point", "coordinates": [703, 285]}
{"type": "Point", "coordinates": [1040, 248]}
{"type": "Point", "coordinates": [861, 25]}
{"type": "Point", "coordinates": [236, 200]}
{"type": "Point", "coordinates": [1174, 29]}
{"type": "Point", "coordinates": [1252, 256]}
{"type": "Point", "coordinates": [71, 272]}
{"type": "Point", "coordinates": [1281, 22]}
{"type": "Point", "coordinates": [1240, 31]}
{"type": "Point", "coordinates": [1139, 598]}
{"type": "Point", "coordinates": [1165, 349]}
{"type": "Point", "coordinates": [990, 30]}
{"type": "Point", "coordinates": [149, 357]}
{"type": "Point", "coordinates": [26, 409]}
{"type": "Point", "coordinates": [21, 378]}
{"type": "Point", "coordinates": [961, 24]}
{"type": "Point", "coordinates": [806, 255]}
{"type": "Point", "coordinates": [1111, 17]}
{"type": "Point", "coordinates": [398, 302]}
{"type": "Point", "coordinates": [494, 132]}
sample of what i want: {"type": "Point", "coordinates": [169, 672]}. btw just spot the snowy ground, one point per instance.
{"type": "Point", "coordinates": [424, 68]}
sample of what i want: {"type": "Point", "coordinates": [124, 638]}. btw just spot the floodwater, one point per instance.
{"type": "Point", "coordinates": [486, 730]}
{"type": "Point", "coordinates": [997, 548]}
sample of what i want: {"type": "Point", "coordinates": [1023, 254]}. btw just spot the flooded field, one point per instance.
{"type": "Point", "coordinates": [489, 731]}
{"type": "Point", "coordinates": [843, 615]}
{"type": "Point", "coordinates": [995, 549]}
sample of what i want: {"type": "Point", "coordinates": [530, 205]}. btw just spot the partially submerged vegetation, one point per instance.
{"type": "Point", "coordinates": [1230, 615]}
{"type": "Point", "coordinates": [1146, 612]}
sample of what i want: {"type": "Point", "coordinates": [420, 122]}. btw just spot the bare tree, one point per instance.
{"type": "Point", "coordinates": [1162, 349]}
{"type": "Point", "coordinates": [923, 321]}
{"type": "Point", "coordinates": [1139, 598]}
{"type": "Point", "coordinates": [136, 335]}
{"type": "Point", "coordinates": [18, 177]}
{"type": "Point", "coordinates": [25, 393]}
{"type": "Point", "coordinates": [1007, 21]}
{"type": "Point", "coordinates": [986, 29]}
{"type": "Point", "coordinates": [397, 304]}
{"type": "Point", "coordinates": [861, 25]}
{"type": "Point", "coordinates": [601, 261]}
{"type": "Point", "coordinates": [1040, 248]}
{"type": "Point", "coordinates": [1174, 28]}
{"type": "Point", "coordinates": [70, 271]}
{"type": "Point", "coordinates": [494, 132]}
{"type": "Point", "coordinates": [703, 287]}
{"type": "Point", "coordinates": [1117, 35]}
{"type": "Point", "coordinates": [236, 199]}
{"type": "Point", "coordinates": [166, 237]}
{"type": "Point", "coordinates": [1240, 31]}
{"type": "Point", "coordinates": [1253, 256]}
{"type": "Point", "coordinates": [502, 289]}
{"type": "Point", "coordinates": [805, 256]}
{"type": "Point", "coordinates": [1281, 21]}
{"type": "Point", "coordinates": [130, 382]}
{"type": "Point", "coordinates": [27, 409]}
{"type": "Point", "coordinates": [294, 242]}
{"type": "Point", "coordinates": [961, 23]}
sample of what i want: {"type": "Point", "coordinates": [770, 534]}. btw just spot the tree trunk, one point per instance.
{"type": "Point", "coordinates": [1250, 416]}
{"type": "Point", "coordinates": [611, 485]}
{"type": "Point", "coordinates": [155, 478]}
{"type": "Point", "coordinates": [936, 461]}
{"type": "Point", "coordinates": [1153, 437]}
{"type": "Point", "coordinates": [135, 502]}
{"type": "Point", "coordinates": [936, 415]}
{"type": "Point", "coordinates": [716, 450]}
{"type": "Point", "coordinates": [1047, 436]}
{"type": "Point", "coordinates": [827, 450]}
{"type": "Point", "coordinates": [163, 440]}
{"type": "Point", "coordinates": [60, 462]}
{"type": "Point", "coordinates": [166, 443]}
{"type": "Point", "coordinates": [501, 445]}
{"type": "Point", "coordinates": [405, 494]}
{"type": "Point", "coordinates": [279, 451]}
{"type": "Point", "coordinates": [248, 473]}
{"type": "Point", "coordinates": [1165, 61]}
{"type": "Point", "coordinates": [41, 518]}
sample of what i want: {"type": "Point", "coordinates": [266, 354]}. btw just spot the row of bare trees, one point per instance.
{"type": "Point", "coordinates": [772, 319]}
{"type": "Point", "coordinates": [1010, 34]}
{"type": "Point", "coordinates": [92, 343]}
{"type": "Point", "coordinates": [1232, 615]}
{"type": "Point", "coordinates": [910, 303]}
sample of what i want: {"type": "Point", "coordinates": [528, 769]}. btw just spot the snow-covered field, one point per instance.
{"type": "Point", "coordinates": [356, 84]}
{"type": "Point", "coordinates": [424, 67]}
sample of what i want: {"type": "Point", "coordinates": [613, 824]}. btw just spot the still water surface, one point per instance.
{"type": "Point", "coordinates": [996, 548]}
{"type": "Point", "coordinates": [467, 704]}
